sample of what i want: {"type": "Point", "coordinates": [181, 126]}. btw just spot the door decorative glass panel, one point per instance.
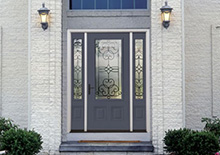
{"type": "Point", "coordinates": [77, 68]}
{"type": "Point", "coordinates": [108, 69]}
{"type": "Point", "coordinates": [139, 69]}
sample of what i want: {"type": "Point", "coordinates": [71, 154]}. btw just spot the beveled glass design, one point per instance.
{"type": "Point", "coordinates": [108, 4]}
{"type": "Point", "coordinates": [108, 69]}
{"type": "Point", "coordinates": [77, 46]}
{"type": "Point", "coordinates": [139, 85]}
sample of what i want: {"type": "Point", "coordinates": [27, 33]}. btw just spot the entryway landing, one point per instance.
{"type": "Point", "coordinates": [106, 146]}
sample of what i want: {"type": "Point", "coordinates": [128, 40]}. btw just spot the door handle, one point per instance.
{"type": "Point", "coordinates": [89, 89]}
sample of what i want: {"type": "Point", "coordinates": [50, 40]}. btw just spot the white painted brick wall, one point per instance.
{"type": "Point", "coordinates": [14, 70]}
{"type": "Point", "coordinates": [166, 52]}
{"type": "Point", "coordinates": [0, 71]}
{"type": "Point", "coordinates": [46, 75]}
{"type": "Point", "coordinates": [201, 93]}
{"type": "Point", "coordinates": [46, 70]}
{"type": "Point", "coordinates": [215, 71]}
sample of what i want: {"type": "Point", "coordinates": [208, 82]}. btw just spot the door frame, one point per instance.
{"type": "Point", "coordinates": [69, 77]}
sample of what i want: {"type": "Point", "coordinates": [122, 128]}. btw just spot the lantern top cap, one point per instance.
{"type": "Point", "coordinates": [43, 9]}
{"type": "Point", "coordinates": [166, 7]}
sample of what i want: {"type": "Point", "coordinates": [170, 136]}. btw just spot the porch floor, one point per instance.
{"type": "Point", "coordinates": [79, 146]}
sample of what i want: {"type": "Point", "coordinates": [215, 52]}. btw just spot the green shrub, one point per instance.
{"type": "Point", "coordinates": [212, 125]}
{"type": "Point", "coordinates": [174, 140]}
{"type": "Point", "coordinates": [21, 142]}
{"type": "Point", "coordinates": [200, 143]}
{"type": "Point", "coordinates": [5, 125]}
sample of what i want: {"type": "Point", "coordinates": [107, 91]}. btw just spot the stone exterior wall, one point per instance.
{"type": "Point", "coordinates": [46, 75]}
{"type": "Point", "coordinates": [166, 55]}
{"type": "Point", "coordinates": [202, 61]}
{"type": "Point", "coordinates": [46, 65]}
{"type": "Point", "coordinates": [14, 61]}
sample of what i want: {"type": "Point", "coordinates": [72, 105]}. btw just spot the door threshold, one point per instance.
{"type": "Point", "coordinates": [105, 141]}
{"type": "Point", "coordinates": [108, 136]}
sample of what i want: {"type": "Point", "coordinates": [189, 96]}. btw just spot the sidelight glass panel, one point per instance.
{"type": "Point", "coordinates": [139, 85]}
{"type": "Point", "coordinates": [77, 68]}
{"type": "Point", "coordinates": [108, 69]}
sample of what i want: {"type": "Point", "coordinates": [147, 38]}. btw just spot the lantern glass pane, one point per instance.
{"type": "Point", "coordinates": [166, 16]}
{"type": "Point", "coordinates": [43, 18]}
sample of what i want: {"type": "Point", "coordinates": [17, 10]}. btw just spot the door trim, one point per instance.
{"type": "Point", "coordinates": [131, 80]}
{"type": "Point", "coordinates": [69, 56]}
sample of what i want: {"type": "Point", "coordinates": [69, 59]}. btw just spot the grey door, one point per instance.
{"type": "Point", "coordinates": [108, 82]}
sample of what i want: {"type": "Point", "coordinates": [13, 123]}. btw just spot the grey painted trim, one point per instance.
{"type": "Point", "coordinates": [108, 147]}
{"type": "Point", "coordinates": [107, 30]}
{"type": "Point", "coordinates": [183, 66]}
{"type": "Point", "coordinates": [29, 64]}
{"type": "Point", "coordinates": [108, 13]}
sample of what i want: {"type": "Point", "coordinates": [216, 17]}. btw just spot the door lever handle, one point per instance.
{"type": "Point", "coordinates": [89, 89]}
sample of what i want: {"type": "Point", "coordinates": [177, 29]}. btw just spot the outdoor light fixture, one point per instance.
{"type": "Point", "coordinates": [43, 12]}
{"type": "Point", "coordinates": [166, 12]}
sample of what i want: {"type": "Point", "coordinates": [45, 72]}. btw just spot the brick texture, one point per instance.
{"type": "Point", "coordinates": [46, 75]}
{"type": "Point", "coordinates": [202, 61]}
{"type": "Point", "coordinates": [166, 55]}
{"type": "Point", "coordinates": [14, 62]}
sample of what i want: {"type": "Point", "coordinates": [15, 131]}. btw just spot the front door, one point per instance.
{"type": "Point", "coordinates": [108, 82]}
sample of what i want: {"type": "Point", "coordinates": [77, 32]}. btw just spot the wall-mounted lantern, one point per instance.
{"type": "Point", "coordinates": [44, 12]}
{"type": "Point", "coordinates": [166, 13]}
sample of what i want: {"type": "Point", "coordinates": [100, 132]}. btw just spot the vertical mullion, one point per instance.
{"type": "Point", "coordinates": [131, 81]}
{"type": "Point", "coordinates": [81, 4]}
{"type": "Point", "coordinates": [69, 80]}
{"type": "Point", "coordinates": [85, 82]}
{"type": "Point", "coordinates": [148, 114]}
{"type": "Point", "coordinates": [121, 4]}
{"type": "Point", "coordinates": [134, 4]}
{"type": "Point", "coordinates": [108, 4]}
{"type": "Point", "coordinates": [95, 4]}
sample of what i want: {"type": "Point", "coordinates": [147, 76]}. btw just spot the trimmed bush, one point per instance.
{"type": "Point", "coordinates": [21, 142]}
{"type": "Point", "coordinates": [174, 140]}
{"type": "Point", "coordinates": [6, 124]}
{"type": "Point", "coordinates": [189, 142]}
{"type": "Point", "coordinates": [212, 125]}
{"type": "Point", "coordinates": [200, 143]}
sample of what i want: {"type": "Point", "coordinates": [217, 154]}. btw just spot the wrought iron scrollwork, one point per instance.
{"type": "Point", "coordinates": [108, 69]}
{"type": "Point", "coordinates": [139, 92]}
{"type": "Point", "coordinates": [77, 45]}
